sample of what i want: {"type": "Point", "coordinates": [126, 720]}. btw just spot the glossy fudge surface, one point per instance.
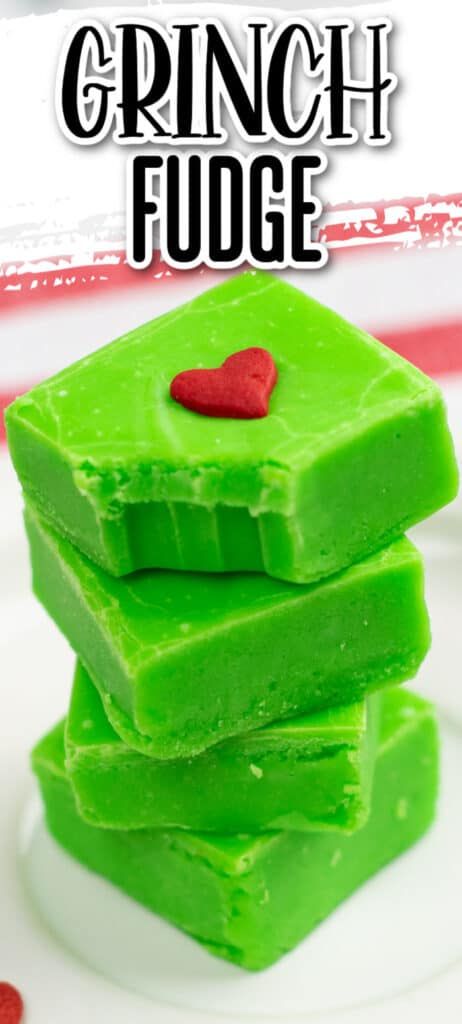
{"type": "Point", "coordinates": [184, 660]}
{"type": "Point", "coordinates": [252, 899]}
{"type": "Point", "coordinates": [308, 773]}
{"type": "Point", "coordinates": [354, 450]}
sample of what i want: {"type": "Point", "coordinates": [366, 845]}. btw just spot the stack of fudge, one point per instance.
{"type": "Point", "coordinates": [242, 602]}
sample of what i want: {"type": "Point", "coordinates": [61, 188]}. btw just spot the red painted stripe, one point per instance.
{"type": "Point", "coordinates": [414, 222]}
{"type": "Point", "coordinates": [110, 271]}
{"type": "Point", "coordinates": [5, 398]}
{"type": "Point", "coordinates": [434, 348]}
{"type": "Point", "coordinates": [411, 222]}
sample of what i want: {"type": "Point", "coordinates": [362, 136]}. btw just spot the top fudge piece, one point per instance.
{"type": "Point", "coordinates": [354, 450]}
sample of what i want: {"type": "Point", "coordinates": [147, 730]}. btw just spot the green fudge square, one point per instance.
{"type": "Point", "coordinates": [355, 448]}
{"type": "Point", "coordinates": [309, 773]}
{"type": "Point", "coordinates": [184, 660]}
{"type": "Point", "coordinates": [252, 899]}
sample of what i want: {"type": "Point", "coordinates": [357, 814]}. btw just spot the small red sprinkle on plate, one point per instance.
{"type": "Point", "coordinates": [11, 1004]}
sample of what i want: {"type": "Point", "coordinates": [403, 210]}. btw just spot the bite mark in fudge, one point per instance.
{"type": "Point", "coordinates": [355, 447]}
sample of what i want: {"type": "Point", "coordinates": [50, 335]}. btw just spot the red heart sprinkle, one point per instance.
{"type": "Point", "coordinates": [238, 389]}
{"type": "Point", "coordinates": [11, 1004]}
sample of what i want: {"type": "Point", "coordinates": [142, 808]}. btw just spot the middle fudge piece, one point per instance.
{"type": "Point", "coordinates": [184, 660]}
{"type": "Point", "coordinates": [308, 773]}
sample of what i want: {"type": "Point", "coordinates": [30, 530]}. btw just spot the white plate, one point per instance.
{"type": "Point", "coordinates": [377, 944]}
{"type": "Point", "coordinates": [393, 951]}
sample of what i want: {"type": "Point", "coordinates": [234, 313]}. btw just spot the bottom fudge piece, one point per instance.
{"type": "Point", "coordinates": [252, 899]}
{"type": "Point", "coordinates": [306, 773]}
